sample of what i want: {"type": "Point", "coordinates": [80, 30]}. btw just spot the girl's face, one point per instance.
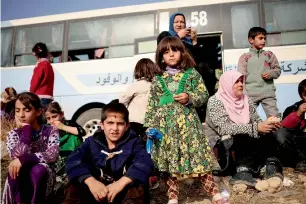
{"type": "Point", "coordinates": [238, 87]}
{"type": "Point", "coordinates": [26, 115]}
{"type": "Point", "coordinates": [172, 57]}
{"type": "Point", "coordinates": [52, 117]}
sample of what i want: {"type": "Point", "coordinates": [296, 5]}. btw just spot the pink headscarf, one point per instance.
{"type": "Point", "coordinates": [237, 108]}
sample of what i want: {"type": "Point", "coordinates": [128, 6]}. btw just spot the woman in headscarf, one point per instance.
{"type": "Point", "coordinates": [232, 117]}
{"type": "Point", "coordinates": [188, 35]}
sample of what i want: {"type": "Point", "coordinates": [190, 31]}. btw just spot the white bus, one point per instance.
{"type": "Point", "coordinates": [95, 51]}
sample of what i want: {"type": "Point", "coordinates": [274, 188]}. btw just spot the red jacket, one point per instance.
{"type": "Point", "coordinates": [42, 81]}
{"type": "Point", "coordinates": [291, 119]}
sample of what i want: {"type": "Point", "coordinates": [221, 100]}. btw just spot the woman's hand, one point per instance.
{"type": "Point", "coordinates": [265, 127]}
{"type": "Point", "coordinates": [182, 98]}
{"type": "Point", "coordinates": [184, 32]}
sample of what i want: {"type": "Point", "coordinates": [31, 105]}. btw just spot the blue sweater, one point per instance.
{"type": "Point", "coordinates": [90, 158]}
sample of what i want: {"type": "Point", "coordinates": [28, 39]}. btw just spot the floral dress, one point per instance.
{"type": "Point", "coordinates": [184, 149]}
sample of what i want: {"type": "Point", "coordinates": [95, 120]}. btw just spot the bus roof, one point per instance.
{"type": "Point", "coordinates": [112, 11]}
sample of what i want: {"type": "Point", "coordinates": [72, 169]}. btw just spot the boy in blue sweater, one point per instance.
{"type": "Point", "coordinates": [112, 166]}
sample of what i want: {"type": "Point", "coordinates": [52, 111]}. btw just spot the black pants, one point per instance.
{"type": "Point", "coordinates": [138, 129]}
{"type": "Point", "coordinates": [77, 193]}
{"type": "Point", "coordinates": [292, 146]}
{"type": "Point", "coordinates": [253, 153]}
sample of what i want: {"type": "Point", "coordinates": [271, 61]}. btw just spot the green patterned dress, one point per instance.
{"type": "Point", "coordinates": [184, 149]}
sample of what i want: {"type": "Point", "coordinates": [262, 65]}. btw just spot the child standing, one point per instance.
{"type": "Point", "coordinates": [260, 68]}
{"type": "Point", "coordinates": [33, 148]}
{"type": "Point", "coordinates": [136, 96]}
{"type": "Point", "coordinates": [42, 82]}
{"type": "Point", "coordinates": [184, 150]}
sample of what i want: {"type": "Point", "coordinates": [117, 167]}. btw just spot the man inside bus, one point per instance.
{"type": "Point", "coordinates": [293, 136]}
{"type": "Point", "coordinates": [112, 166]}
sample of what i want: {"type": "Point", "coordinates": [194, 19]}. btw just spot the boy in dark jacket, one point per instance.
{"type": "Point", "coordinates": [292, 136]}
{"type": "Point", "coordinates": [112, 166]}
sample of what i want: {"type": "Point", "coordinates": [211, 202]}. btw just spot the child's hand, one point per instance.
{"type": "Point", "coordinates": [117, 187]}
{"type": "Point", "coordinates": [14, 168]}
{"type": "Point", "coordinates": [265, 75]}
{"type": "Point", "coordinates": [182, 98]}
{"type": "Point", "coordinates": [97, 189]}
{"type": "Point", "coordinates": [59, 125]}
{"type": "Point", "coordinates": [19, 124]}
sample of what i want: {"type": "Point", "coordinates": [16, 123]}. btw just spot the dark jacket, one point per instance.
{"type": "Point", "coordinates": [291, 119]}
{"type": "Point", "coordinates": [88, 160]}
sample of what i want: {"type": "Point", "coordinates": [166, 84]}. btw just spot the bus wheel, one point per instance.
{"type": "Point", "coordinates": [90, 121]}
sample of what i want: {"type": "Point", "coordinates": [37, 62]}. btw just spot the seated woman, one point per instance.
{"type": "Point", "coordinates": [230, 114]}
{"type": "Point", "coordinates": [33, 149]}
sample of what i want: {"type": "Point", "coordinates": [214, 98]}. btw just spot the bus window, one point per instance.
{"type": "Point", "coordinates": [286, 22]}
{"type": "Point", "coordinates": [6, 46]}
{"type": "Point", "coordinates": [27, 37]}
{"type": "Point", "coordinates": [109, 37]}
{"type": "Point", "coordinates": [243, 18]}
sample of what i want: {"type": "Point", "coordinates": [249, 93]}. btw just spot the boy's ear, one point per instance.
{"type": "Point", "coordinates": [101, 125]}
{"type": "Point", "coordinates": [251, 40]}
{"type": "Point", "coordinates": [127, 126]}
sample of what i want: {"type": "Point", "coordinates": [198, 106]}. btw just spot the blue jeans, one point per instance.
{"type": "Point", "coordinates": [45, 102]}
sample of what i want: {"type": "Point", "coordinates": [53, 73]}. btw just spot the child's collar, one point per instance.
{"type": "Point", "coordinates": [254, 50]}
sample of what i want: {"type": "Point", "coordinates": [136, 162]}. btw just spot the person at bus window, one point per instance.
{"type": "Point", "coordinates": [8, 98]}
{"type": "Point", "coordinates": [112, 166]}
{"type": "Point", "coordinates": [232, 116]}
{"type": "Point", "coordinates": [33, 149]}
{"type": "Point", "coordinates": [293, 134]}
{"type": "Point", "coordinates": [260, 68]}
{"type": "Point", "coordinates": [135, 97]}
{"type": "Point", "coordinates": [42, 82]}
{"type": "Point", "coordinates": [175, 93]}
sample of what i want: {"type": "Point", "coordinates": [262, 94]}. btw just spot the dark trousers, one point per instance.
{"type": "Point", "coordinates": [292, 146]}
{"type": "Point", "coordinates": [253, 153]}
{"type": "Point", "coordinates": [77, 193]}
{"type": "Point", "coordinates": [138, 129]}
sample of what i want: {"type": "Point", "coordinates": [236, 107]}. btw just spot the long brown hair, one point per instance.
{"type": "Point", "coordinates": [173, 43]}
{"type": "Point", "coordinates": [145, 69]}
{"type": "Point", "coordinates": [30, 101]}
{"type": "Point", "coordinates": [54, 107]}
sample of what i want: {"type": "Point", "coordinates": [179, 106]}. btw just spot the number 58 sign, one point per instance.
{"type": "Point", "coordinates": [198, 18]}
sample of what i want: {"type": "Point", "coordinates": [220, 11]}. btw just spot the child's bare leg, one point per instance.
{"type": "Point", "coordinates": [173, 188]}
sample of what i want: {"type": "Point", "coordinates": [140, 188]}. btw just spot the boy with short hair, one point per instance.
{"type": "Point", "coordinates": [292, 136]}
{"type": "Point", "coordinates": [112, 165]}
{"type": "Point", "coordinates": [260, 68]}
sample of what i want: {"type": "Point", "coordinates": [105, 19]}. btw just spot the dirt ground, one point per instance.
{"type": "Point", "coordinates": [195, 195]}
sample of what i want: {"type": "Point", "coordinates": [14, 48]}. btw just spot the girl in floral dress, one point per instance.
{"type": "Point", "coordinates": [184, 151]}
{"type": "Point", "coordinates": [33, 149]}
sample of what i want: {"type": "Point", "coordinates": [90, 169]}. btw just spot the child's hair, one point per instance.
{"type": "Point", "coordinates": [114, 107]}
{"type": "Point", "coordinates": [145, 69]}
{"type": "Point", "coordinates": [8, 97]}
{"type": "Point", "coordinates": [301, 87]}
{"type": "Point", "coordinates": [175, 44]}
{"type": "Point", "coordinates": [253, 32]}
{"type": "Point", "coordinates": [54, 107]}
{"type": "Point", "coordinates": [40, 49]}
{"type": "Point", "coordinates": [31, 100]}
